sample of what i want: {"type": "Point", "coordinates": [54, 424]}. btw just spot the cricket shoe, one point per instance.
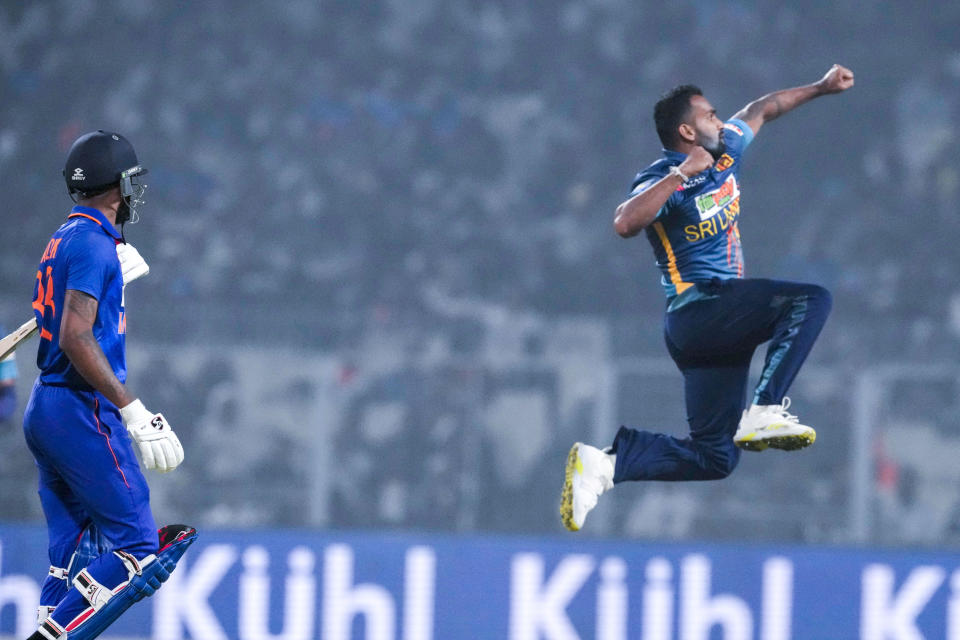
{"type": "Point", "coordinates": [589, 473]}
{"type": "Point", "coordinates": [770, 425]}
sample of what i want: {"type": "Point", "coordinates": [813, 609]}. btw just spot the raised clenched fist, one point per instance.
{"type": "Point", "coordinates": [699, 159]}
{"type": "Point", "coordinates": [838, 79]}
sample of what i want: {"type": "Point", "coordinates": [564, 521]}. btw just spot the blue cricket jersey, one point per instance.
{"type": "Point", "coordinates": [695, 235]}
{"type": "Point", "coordinates": [81, 255]}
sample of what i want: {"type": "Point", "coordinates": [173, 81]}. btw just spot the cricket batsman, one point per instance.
{"type": "Point", "coordinates": [688, 203]}
{"type": "Point", "coordinates": [81, 421]}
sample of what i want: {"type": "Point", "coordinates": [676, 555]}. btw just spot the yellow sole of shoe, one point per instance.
{"type": "Point", "coordinates": [784, 443]}
{"type": "Point", "coordinates": [566, 496]}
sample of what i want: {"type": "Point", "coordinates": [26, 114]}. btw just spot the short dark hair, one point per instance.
{"type": "Point", "coordinates": [671, 110]}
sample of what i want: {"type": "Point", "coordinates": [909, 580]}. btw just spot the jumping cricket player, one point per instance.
{"type": "Point", "coordinates": [688, 203]}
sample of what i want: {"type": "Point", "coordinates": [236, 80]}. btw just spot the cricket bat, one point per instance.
{"type": "Point", "coordinates": [10, 342]}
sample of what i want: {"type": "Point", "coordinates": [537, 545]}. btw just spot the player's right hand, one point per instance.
{"type": "Point", "coordinates": [699, 159]}
{"type": "Point", "coordinates": [160, 447]}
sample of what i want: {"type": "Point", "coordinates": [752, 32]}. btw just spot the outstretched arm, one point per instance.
{"type": "Point", "coordinates": [773, 105]}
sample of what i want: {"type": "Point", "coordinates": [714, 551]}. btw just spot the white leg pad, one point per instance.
{"type": "Point", "coordinates": [94, 592]}
{"type": "Point", "coordinates": [52, 631]}
{"type": "Point", "coordinates": [59, 573]}
{"type": "Point", "coordinates": [43, 612]}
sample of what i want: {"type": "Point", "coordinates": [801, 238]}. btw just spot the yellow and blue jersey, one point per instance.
{"type": "Point", "coordinates": [695, 236]}
{"type": "Point", "coordinates": [81, 255]}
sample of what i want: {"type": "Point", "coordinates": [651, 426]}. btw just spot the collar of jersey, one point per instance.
{"type": "Point", "coordinates": [672, 155]}
{"type": "Point", "coordinates": [88, 213]}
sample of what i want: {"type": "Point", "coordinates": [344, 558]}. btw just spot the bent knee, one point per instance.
{"type": "Point", "coordinates": [721, 468]}
{"type": "Point", "coordinates": [142, 547]}
{"type": "Point", "coordinates": [720, 461]}
{"type": "Point", "coordinates": [821, 298]}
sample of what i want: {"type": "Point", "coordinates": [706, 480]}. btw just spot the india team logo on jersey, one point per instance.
{"type": "Point", "coordinates": [712, 202]}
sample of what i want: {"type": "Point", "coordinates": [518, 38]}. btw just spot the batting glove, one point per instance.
{"type": "Point", "coordinates": [160, 447]}
{"type": "Point", "coordinates": [132, 264]}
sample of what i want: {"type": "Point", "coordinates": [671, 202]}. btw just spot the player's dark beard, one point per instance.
{"type": "Point", "coordinates": [716, 150]}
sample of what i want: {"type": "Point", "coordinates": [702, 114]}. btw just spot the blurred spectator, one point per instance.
{"type": "Point", "coordinates": [8, 384]}
{"type": "Point", "coordinates": [17, 475]}
{"type": "Point", "coordinates": [428, 187]}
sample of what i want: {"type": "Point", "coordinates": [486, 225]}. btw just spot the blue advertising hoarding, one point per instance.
{"type": "Point", "coordinates": [305, 585]}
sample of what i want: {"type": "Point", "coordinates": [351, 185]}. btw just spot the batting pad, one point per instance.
{"type": "Point", "coordinates": [91, 545]}
{"type": "Point", "coordinates": [174, 541]}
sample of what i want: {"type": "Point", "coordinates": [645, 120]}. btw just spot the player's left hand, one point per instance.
{"type": "Point", "coordinates": [838, 79]}
{"type": "Point", "coordinates": [160, 447]}
{"type": "Point", "coordinates": [132, 264]}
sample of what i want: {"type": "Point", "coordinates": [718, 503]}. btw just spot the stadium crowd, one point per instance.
{"type": "Point", "coordinates": [437, 180]}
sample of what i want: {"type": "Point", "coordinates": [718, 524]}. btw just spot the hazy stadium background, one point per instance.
{"type": "Point", "coordinates": [385, 291]}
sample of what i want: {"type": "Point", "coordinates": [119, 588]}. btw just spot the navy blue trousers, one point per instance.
{"type": "Point", "coordinates": [712, 341]}
{"type": "Point", "coordinates": [88, 474]}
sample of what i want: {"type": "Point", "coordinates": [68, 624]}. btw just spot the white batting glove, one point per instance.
{"type": "Point", "coordinates": [132, 263]}
{"type": "Point", "coordinates": [160, 447]}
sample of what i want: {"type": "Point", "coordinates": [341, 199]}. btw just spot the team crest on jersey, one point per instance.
{"type": "Point", "coordinates": [712, 202]}
{"type": "Point", "coordinates": [724, 163]}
